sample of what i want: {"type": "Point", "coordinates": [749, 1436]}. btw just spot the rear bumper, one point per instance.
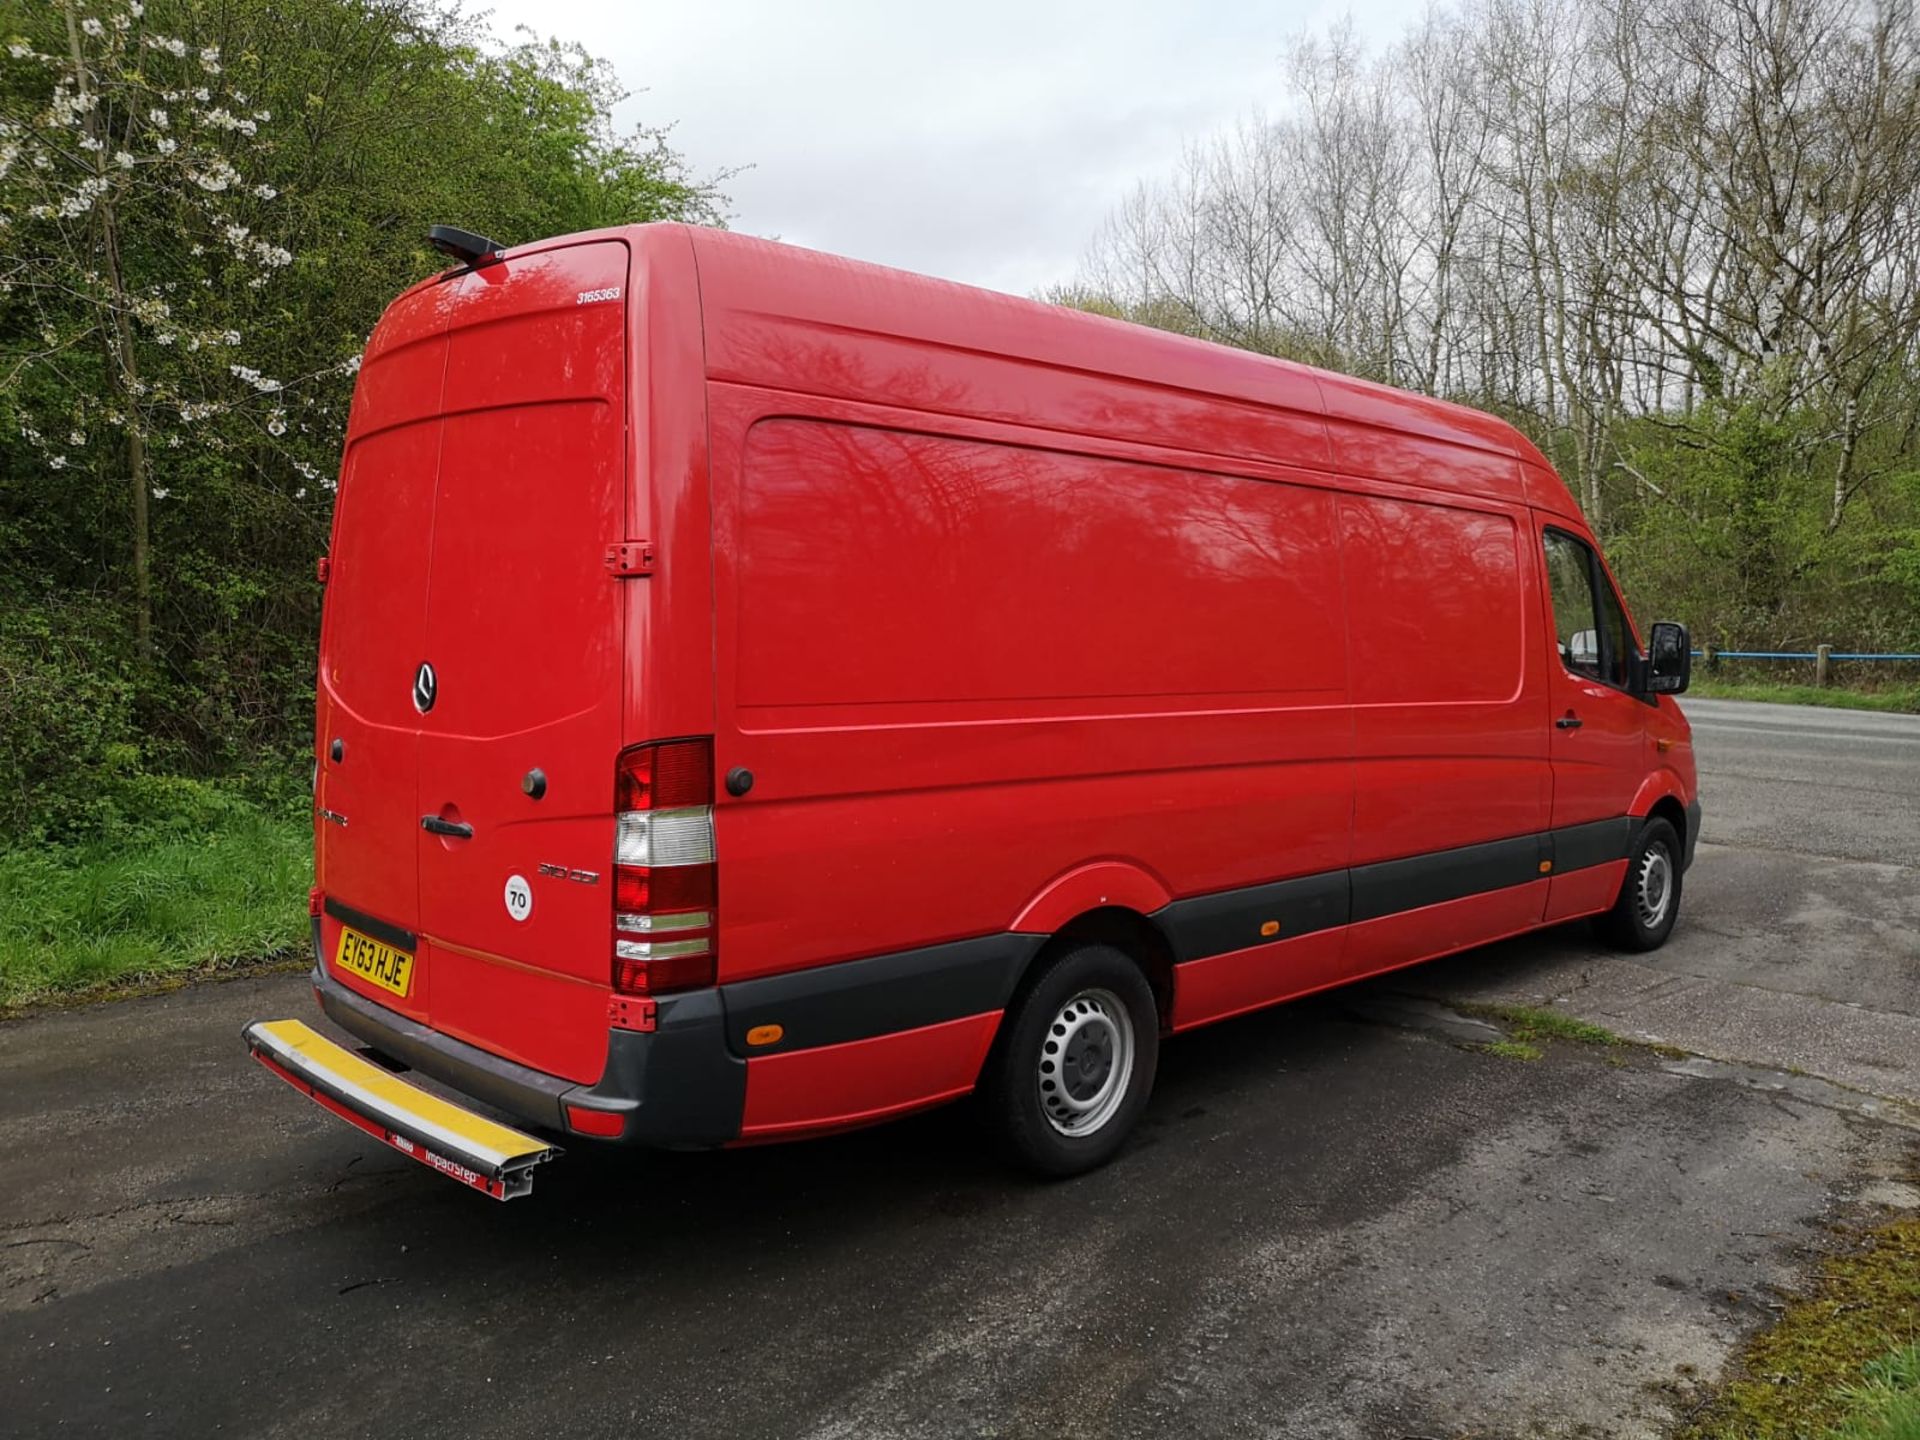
{"type": "Point", "coordinates": [447, 1137]}
{"type": "Point", "coordinates": [677, 1085]}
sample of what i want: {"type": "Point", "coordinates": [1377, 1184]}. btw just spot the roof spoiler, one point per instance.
{"type": "Point", "coordinates": [463, 245]}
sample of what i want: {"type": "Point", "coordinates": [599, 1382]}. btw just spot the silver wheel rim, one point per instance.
{"type": "Point", "coordinates": [1086, 1062]}
{"type": "Point", "coordinates": [1653, 886]}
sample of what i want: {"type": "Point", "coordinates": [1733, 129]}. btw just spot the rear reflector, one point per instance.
{"type": "Point", "coordinates": [606, 1123]}
{"type": "Point", "coordinates": [664, 890]}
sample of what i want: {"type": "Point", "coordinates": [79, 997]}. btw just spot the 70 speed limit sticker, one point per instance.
{"type": "Point", "coordinates": [519, 897]}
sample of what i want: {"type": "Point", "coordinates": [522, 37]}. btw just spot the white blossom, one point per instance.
{"type": "Point", "coordinates": [58, 462]}
{"type": "Point", "coordinates": [230, 337]}
{"type": "Point", "coordinates": [166, 145]}
{"type": "Point", "coordinates": [264, 192]}
{"type": "Point", "coordinates": [264, 384]}
{"type": "Point", "coordinates": [19, 50]}
{"type": "Point", "coordinates": [76, 439]}
{"type": "Point", "coordinates": [93, 27]}
{"type": "Point", "coordinates": [122, 158]}
{"type": "Point", "coordinates": [277, 423]}
{"type": "Point", "coordinates": [158, 117]}
{"type": "Point", "coordinates": [210, 59]}
{"type": "Point", "coordinates": [160, 494]}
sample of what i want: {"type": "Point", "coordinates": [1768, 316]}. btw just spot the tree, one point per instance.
{"type": "Point", "coordinates": [1672, 239]}
{"type": "Point", "coordinates": [199, 366]}
{"type": "Point", "coordinates": [136, 126]}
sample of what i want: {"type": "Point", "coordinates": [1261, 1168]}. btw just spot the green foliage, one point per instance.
{"type": "Point", "coordinates": [218, 882]}
{"type": "Point", "coordinates": [1841, 1364]}
{"type": "Point", "coordinates": [1528, 1023]}
{"type": "Point", "coordinates": [372, 120]}
{"type": "Point", "coordinates": [67, 712]}
{"type": "Point", "coordinates": [1885, 1405]}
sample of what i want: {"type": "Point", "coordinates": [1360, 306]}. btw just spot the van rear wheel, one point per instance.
{"type": "Point", "coordinates": [1074, 1062]}
{"type": "Point", "coordinates": [1649, 903]}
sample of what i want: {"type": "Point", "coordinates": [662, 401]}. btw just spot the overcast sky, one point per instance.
{"type": "Point", "coordinates": [983, 140]}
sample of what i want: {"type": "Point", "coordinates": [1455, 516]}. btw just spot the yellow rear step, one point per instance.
{"type": "Point", "coordinates": [455, 1141]}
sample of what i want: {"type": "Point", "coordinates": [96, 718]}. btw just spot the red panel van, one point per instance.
{"type": "Point", "coordinates": [762, 694]}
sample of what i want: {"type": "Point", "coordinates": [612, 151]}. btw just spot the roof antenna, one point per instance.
{"type": "Point", "coordinates": [463, 245]}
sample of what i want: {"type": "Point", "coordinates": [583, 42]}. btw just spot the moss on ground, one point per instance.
{"type": "Point", "coordinates": [1842, 1364]}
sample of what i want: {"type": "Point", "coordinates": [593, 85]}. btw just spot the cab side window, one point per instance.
{"type": "Point", "coordinates": [1615, 635]}
{"type": "Point", "coordinates": [1576, 621]}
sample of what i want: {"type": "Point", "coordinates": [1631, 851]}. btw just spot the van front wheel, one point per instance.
{"type": "Point", "coordinates": [1649, 903]}
{"type": "Point", "coordinates": [1074, 1063]}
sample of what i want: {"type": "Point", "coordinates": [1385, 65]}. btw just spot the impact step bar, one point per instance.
{"type": "Point", "coordinates": [458, 1143]}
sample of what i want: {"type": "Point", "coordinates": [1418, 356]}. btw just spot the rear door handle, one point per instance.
{"type": "Point", "coordinates": [458, 829]}
{"type": "Point", "coordinates": [1569, 721]}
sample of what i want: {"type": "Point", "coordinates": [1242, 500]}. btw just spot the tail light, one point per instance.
{"type": "Point", "coordinates": [663, 873]}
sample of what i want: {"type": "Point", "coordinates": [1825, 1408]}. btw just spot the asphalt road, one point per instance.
{"type": "Point", "coordinates": [1338, 1221]}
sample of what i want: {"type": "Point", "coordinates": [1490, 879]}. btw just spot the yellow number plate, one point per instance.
{"type": "Point", "coordinates": [379, 964]}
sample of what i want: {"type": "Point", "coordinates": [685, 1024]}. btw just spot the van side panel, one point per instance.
{"type": "Point", "coordinates": [1445, 643]}
{"type": "Point", "coordinates": [833, 1087]}
{"type": "Point", "coordinates": [1392, 941]}
{"type": "Point", "coordinates": [792, 320]}
{"type": "Point", "coordinates": [962, 665]}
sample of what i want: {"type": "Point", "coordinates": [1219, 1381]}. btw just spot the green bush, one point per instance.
{"type": "Point", "coordinates": [67, 717]}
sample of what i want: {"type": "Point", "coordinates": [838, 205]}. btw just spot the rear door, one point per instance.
{"type": "Point", "coordinates": [524, 633]}
{"type": "Point", "coordinates": [367, 823]}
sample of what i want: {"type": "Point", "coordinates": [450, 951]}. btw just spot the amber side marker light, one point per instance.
{"type": "Point", "coordinates": [1545, 866]}
{"type": "Point", "coordinates": [765, 1034]}
{"type": "Point", "coordinates": [1271, 927]}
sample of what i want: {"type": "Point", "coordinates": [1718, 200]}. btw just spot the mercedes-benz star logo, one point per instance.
{"type": "Point", "coordinates": [424, 688]}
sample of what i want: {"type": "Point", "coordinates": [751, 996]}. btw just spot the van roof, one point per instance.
{"type": "Point", "coordinates": [775, 285]}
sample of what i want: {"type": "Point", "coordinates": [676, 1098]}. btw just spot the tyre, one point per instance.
{"type": "Point", "coordinates": [1074, 1062]}
{"type": "Point", "coordinates": [1649, 903]}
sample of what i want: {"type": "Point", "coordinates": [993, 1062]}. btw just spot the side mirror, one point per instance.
{"type": "Point", "coordinates": [1669, 658]}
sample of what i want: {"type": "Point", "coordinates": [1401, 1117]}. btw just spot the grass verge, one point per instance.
{"type": "Point", "coordinates": [1902, 698]}
{"type": "Point", "coordinates": [1527, 1024]}
{"type": "Point", "coordinates": [90, 918]}
{"type": "Point", "coordinates": [1842, 1364]}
